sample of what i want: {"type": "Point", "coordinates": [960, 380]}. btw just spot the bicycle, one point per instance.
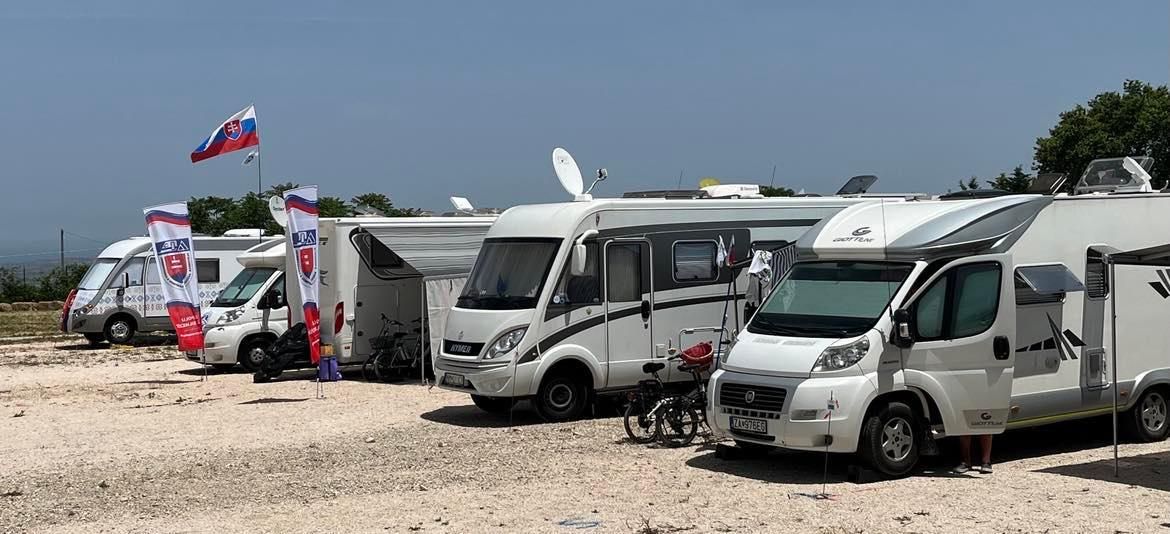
{"type": "Point", "coordinates": [639, 417]}
{"type": "Point", "coordinates": [390, 357]}
{"type": "Point", "coordinates": [678, 417]}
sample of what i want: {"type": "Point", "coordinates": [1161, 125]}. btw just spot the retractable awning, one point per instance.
{"type": "Point", "coordinates": [1158, 256]}
{"type": "Point", "coordinates": [434, 250]}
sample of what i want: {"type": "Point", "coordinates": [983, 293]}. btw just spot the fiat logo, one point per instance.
{"type": "Point", "coordinates": [749, 397]}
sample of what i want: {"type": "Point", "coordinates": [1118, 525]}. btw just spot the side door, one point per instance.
{"type": "Point", "coordinates": [156, 302]}
{"type": "Point", "coordinates": [629, 305]}
{"type": "Point", "coordinates": [127, 286]}
{"type": "Point", "coordinates": [964, 326]}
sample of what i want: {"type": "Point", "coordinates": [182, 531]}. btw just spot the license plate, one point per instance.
{"type": "Point", "coordinates": [454, 380]}
{"type": "Point", "coordinates": [755, 426]}
{"type": "Point", "coordinates": [459, 348]}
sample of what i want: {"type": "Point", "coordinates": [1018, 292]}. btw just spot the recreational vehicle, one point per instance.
{"type": "Point", "coordinates": [903, 322]}
{"type": "Point", "coordinates": [388, 275]}
{"type": "Point", "coordinates": [249, 313]}
{"type": "Point", "coordinates": [121, 294]}
{"type": "Point", "coordinates": [571, 299]}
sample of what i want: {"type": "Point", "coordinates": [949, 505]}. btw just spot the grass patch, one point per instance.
{"type": "Point", "coordinates": [29, 323]}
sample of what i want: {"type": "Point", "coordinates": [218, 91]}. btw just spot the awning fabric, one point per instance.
{"type": "Point", "coordinates": [1158, 256]}
{"type": "Point", "coordinates": [435, 251]}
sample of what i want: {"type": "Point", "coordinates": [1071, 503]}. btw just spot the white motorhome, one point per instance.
{"type": "Point", "coordinates": [121, 294]}
{"type": "Point", "coordinates": [902, 322]}
{"type": "Point", "coordinates": [571, 299]}
{"type": "Point", "coordinates": [249, 313]}
{"type": "Point", "coordinates": [408, 269]}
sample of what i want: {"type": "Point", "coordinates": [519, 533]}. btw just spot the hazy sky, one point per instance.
{"type": "Point", "coordinates": [104, 101]}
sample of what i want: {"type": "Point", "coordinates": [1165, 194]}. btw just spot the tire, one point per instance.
{"type": "Point", "coordinates": [677, 423]}
{"type": "Point", "coordinates": [1149, 419]}
{"type": "Point", "coordinates": [119, 329]}
{"type": "Point", "coordinates": [492, 405]}
{"type": "Point", "coordinates": [889, 440]}
{"type": "Point", "coordinates": [640, 427]}
{"type": "Point", "coordinates": [95, 338]}
{"type": "Point", "coordinates": [253, 353]}
{"type": "Point", "coordinates": [561, 397]}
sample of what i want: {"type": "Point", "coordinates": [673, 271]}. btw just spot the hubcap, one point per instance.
{"type": "Point", "coordinates": [256, 355]}
{"type": "Point", "coordinates": [560, 396]}
{"type": "Point", "coordinates": [1154, 413]}
{"type": "Point", "coordinates": [897, 439]}
{"type": "Point", "coordinates": [120, 330]}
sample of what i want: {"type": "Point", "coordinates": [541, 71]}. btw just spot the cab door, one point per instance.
{"type": "Point", "coordinates": [629, 305]}
{"type": "Point", "coordinates": [963, 322]}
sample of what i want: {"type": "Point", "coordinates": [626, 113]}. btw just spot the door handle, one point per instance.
{"type": "Point", "coordinates": [645, 310]}
{"type": "Point", "coordinates": [1001, 347]}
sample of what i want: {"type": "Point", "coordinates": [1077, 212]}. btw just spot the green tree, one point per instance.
{"type": "Point", "coordinates": [971, 183]}
{"type": "Point", "coordinates": [1016, 182]}
{"type": "Point", "coordinates": [382, 203]}
{"type": "Point", "coordinates": [13, 287]}
{"type": "Point", "coordinates": [210, 215]}
{"type": "Point", "coordinates": [770, 191]}
{"type": "Point", "coordinates": [57, 283]}
{"type": "Point", "coordinates": [1135, 122]}
{"type": "Point", "coordinates": [333, 207]}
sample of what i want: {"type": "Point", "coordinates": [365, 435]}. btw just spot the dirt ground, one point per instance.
{"type": "Point", "coordinates": [135, 440]}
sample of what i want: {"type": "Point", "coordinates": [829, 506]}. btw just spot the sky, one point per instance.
{"type": "Point", "coordinates": [104, 101]}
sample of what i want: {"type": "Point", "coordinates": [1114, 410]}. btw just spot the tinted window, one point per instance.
{"type": "Point", "coordinates": [694, 261]}
{"type": "Point", "coordinates": [579, 290]}
{"type": "Point", "coordinates": [928, 320]}
{"type": "Point", "coordinates": [151, 272]}
{"type": "Point", "coordinates": [208, 270]}
{"type": "Point", "coordinates": [623, 271]}
{"type": "Point", "coordinates": [962, 302]}
{"type": "Point", "coordinates": [133, 269]}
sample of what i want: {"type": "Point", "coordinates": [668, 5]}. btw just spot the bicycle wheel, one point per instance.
{"type": "Point", "coordinates": [640, 426]}
{"type": "Point", "coordinates": [677, 423]}
{"type": "Point", "coordinates": [384, 367]}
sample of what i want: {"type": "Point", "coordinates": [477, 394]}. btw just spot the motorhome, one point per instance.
{"type": "Point", "coordinates": [904, 322]}
{"type": "Point", "coordinates": [379, 269]}
{"type": "Point", "coordinates": [249, 313]}
{"type": "Point", "coordinates": [121, 294]}
{"type": "Point", "coordinates": [567, 300]}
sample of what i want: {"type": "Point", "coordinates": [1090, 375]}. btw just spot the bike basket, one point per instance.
{"type": "Point", "coordinates": [699, 355]}
{"type": "Point", "coordinates": [381, 342]}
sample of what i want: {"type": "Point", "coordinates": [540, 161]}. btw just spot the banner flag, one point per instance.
{"type": "Point", "coordinates": [236, 133]}
{"type": "Point", "coordinates": [301, 205]}
{"type": "Point", "coordinates": [170, 232]}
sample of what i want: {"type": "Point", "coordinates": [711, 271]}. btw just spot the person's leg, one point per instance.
{"type": "Point", "coordinates": [964, 453]}
{"type": "Point", "coordinates": [985, 451]}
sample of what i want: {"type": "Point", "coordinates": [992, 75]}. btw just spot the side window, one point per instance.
{"type": "Point", "coordinates": [580, 290]}
{"type": "Point", "coordinates": [278, 288]}
{"type": "Point", "coordinates": [962, 302]}
{"type": "Point", "coordinates": [623, 272]}
{"type": "Point", "coordinates": [151, 272]}
{"type": "Point", "coordinates": [1096, 276]}
{"type": "Point", "coordinates": [207, 270]}
{"type": "Point", "coordinates": [132, 268]}
{"type": "Point", "coordinates": [694, 261]}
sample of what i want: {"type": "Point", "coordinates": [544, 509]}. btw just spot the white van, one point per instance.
{"type": "Point", "coordinates": [249, 313]}
{"type": "Point", "coordinates": [918, 320]}
{"type": "Point", "coordinates": [121, 294]}
{"type": "Point", "coordinates": [571, 299]}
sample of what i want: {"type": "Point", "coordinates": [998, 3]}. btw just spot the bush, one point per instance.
{"type": "Point", "coordinates": [52, 286]}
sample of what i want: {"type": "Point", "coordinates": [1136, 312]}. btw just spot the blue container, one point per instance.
{"type": "Point", "coordinates": [327, 370]}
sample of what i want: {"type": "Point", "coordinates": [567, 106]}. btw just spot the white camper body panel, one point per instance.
{"type": "Point", "coordinates": [650, 274]}
{"type": "Point", "coordinates": [240, 322]}
{"type": "Point", "coordinates": [1057, 366]}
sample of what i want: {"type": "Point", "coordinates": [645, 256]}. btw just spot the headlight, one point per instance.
{"type": "Point", "coordinates": [834, 358]}
{"type": "Point", "coordinates": [506, 342]}
{"type": "Point", "coordinates": [229, 316]}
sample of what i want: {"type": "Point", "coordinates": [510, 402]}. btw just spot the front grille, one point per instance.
{"type": "Point", "coordinates": [749, 413]}
{"type": "Point", "coordinates": [467, 366]}
{"type": "Point", "coordinates": [764, 398]}
{"type": "Point", "coordinates": [459, 348]}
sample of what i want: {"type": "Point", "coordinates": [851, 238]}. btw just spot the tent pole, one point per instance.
{"type": "Point", "coordinates": [423, 349]}
{"type": "Point", "coordinates": [1113, 355]}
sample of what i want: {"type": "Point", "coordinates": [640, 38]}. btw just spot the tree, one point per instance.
{"type": "Point", "coordinates": [972, 183]}
{"type": "Point", "coordinates": [1016, 182]}
{"type": "Point", "coordinates": [381, 203]}
{"type": "Point", "coordinates": [1132, 123]}
{"type": "Point", "coordinates": [770, 191]}
{"type": "Point", "coordinates": [214, 215]}
{"type": "Point", "coordinates": [333, 207]}
{"type": "Point", "coordinates": [57, 283]}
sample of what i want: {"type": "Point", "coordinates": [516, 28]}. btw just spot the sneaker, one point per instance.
{"type": "Point", "coordinates": [962, 468]}
{"type": "Point", "coordinates": [985, 469]}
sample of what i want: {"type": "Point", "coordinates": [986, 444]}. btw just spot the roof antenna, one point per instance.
{"type": "Point", "coordinates": [602, 174]}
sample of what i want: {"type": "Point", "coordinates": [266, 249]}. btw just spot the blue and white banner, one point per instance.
{"type": "Point", "coordinates": [301, 206]}
{"type": "Point", "coordinates": [170, 232]}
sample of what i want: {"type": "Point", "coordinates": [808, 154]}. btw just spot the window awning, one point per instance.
{"type": "Point", "coordinates": [1158, 256]}
{"type": "Point", "coordinates": [1049, 279]}
{"type": "Point", "coordinates": [434, 250]}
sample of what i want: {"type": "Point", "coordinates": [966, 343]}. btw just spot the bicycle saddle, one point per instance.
{"type": "Point", "coordinates": [653, 367]}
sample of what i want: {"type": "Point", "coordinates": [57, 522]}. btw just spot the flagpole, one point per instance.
{"type": "Point", "coordinates": [259, 184]}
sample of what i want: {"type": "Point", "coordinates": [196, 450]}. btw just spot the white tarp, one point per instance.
{"type": "Point", "coordinates": [440, 297]}
{"type": "Point", "coordinates": [434, 250]}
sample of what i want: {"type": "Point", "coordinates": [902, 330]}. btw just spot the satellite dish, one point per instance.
{"type": "Point", "coordinates": [708, 182]}
{"type": "Point", "coordinates": [462, 204]}
{"type": "Point", "coordinates": [276, 208]}
{"type": "Point", "coordinates": [567, 172]}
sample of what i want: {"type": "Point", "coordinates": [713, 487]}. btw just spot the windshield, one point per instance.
{"type": "Point", "coordinates": [829, 299]}
{"type": "Point", "coordinates": [97, 273]}
{"type": "Point", "coordinates": [240, 290]}
{"type": "Point", "coordinates": [508, 274]}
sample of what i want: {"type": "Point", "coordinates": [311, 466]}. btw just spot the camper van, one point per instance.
{"type": "Point", "coordinates": [904, 322]}
{"type": "Point", "coordinates": [249, 313]}
{"type": "Point", "coordinates": [388, 275]}
{"type": "Point", "coordinates": [568, 300]}
{"type": "Point", "coordinates": [121, 294]}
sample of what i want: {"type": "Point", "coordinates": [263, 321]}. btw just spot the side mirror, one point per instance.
{"type": "Point", "coordinates": [901, 336]}
{"type": "Point", "coordinates": [579, 260]}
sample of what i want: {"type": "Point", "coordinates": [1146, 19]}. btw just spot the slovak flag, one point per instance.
{"type": "Point", "coordinates": [236, 133]}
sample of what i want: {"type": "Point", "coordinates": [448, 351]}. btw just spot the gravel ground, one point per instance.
{"type": "Point", "coordinates": [135, 440]}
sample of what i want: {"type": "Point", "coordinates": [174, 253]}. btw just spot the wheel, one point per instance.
{"type": "Point", "coordinates": [561, 397]}
{"type": "Point", "coordinates": [1147, 421]}
{"type": "Point", "coordinates": [253, 352]}
{"type": "Point", "coordinates": [889, 440]}
{"type": "Point", "coordinates": [753, 448]}
{"type": "Point", "coordinates": [95, 338]}
{"type": "Point", "coordinates": [640, 426]}
{"type": "Point", "coordinates": [119, 330]}
{"type": "Point", "coordinates": [677, 423]}
{"type": "Point", "coordinates": [493, 405]}
{"type": "Point", "coordinates": [385, 368]}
